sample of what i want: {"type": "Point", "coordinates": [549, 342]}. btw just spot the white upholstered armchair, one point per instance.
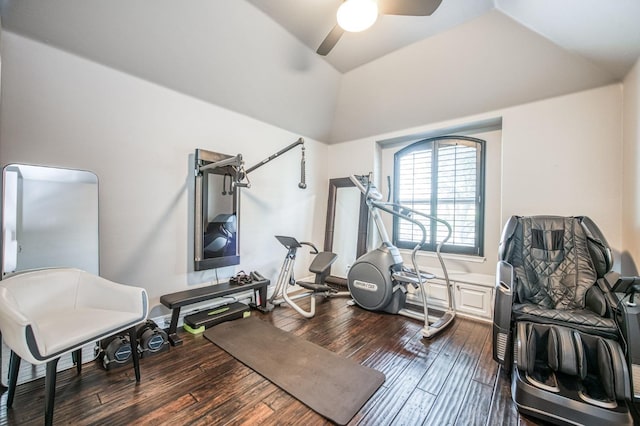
{"type": "Point", "coordinates": [47, 313]}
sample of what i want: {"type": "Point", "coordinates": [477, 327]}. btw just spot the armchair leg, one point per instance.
{"type": "Point", "coordinates": [50, 391]}
{"type": "Point", "coordinates": [14, 368]}
{"type": "Point", "coordinates": [134, 352]}
{"type": "Point", "coordinates": [77, 359]}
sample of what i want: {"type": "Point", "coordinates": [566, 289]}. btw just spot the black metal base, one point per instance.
{"type": "Point", "coordinates": [174, 339]}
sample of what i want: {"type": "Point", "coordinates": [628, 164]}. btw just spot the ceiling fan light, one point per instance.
{"type": "Point", "coordinates": [357, 15]}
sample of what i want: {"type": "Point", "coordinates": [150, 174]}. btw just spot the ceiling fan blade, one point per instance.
{"type": "Point", "coordinates": [408, 7]}
{"type": "Point", "coordinates": [330, 40]}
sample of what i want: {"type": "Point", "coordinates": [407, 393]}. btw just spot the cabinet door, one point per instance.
{"type": "Point", "coordinates": [474, 300]}
{"type": "Point", "coordinates": [437, 293]}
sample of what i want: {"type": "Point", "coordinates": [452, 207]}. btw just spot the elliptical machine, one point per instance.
{"type": "Point", "coordinates": [378, 279]}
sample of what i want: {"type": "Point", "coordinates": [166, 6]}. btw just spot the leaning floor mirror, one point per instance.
{"type": "Point", "coordinates": [346, 227]}
{"type": "Point", "coordinates": [49, 219]}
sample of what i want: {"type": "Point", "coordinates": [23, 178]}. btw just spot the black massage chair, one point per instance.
{"type": "Point", "coordinates": [566, 327]}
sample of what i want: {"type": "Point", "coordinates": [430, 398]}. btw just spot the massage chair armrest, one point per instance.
{"type": "Point", "coordinates": [628, 319]}
{"type": "Point", "coordinates": [505, 288]}
{"type": "Point", "coordinates": [612, 290]}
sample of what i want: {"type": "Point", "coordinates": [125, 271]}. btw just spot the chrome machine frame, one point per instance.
{"type": "Point", "coordinates": [285, 279]}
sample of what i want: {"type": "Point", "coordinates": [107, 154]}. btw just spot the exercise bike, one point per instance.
{"type": "Point", "coordinates": [321, 267]}
{"type": "Point", "coordinates": [378, 279]}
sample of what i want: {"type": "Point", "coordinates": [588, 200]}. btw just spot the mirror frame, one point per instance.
{"type": "Point", "coordinates": [204, 157]}
{"type": "Point", "coordinates": [363, 222]}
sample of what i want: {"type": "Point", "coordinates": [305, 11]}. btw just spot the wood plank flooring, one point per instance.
{"type": "Point", "coordinates": [448, 380]}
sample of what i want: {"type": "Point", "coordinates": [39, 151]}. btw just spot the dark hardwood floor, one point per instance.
{"type": "Point", "coordinates": [449, 380]}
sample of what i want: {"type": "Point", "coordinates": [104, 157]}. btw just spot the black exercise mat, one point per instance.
{"type": "Point", "coordinates": [329, 384]}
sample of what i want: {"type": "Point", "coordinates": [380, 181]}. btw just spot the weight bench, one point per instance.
{"type": "Point", "coordinates": [175, 301]}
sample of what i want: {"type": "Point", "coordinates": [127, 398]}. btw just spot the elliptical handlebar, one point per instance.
{"type": "Point", "coordinates": [315, 249]}
{"type": "Point", "coordinates": [438, 245]}
{"type": "Point", "coordinates": [400, 213]}
{"type": "Point", "coordinates": [363, 183]}
{"type": "Point", "coordinates": [373, 197]}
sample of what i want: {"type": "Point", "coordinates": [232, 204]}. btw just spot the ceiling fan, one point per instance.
{"type": "Point", "coordinates": [358, 15]}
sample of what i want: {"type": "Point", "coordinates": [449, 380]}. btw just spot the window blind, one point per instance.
{"type": "Point", "coordinates": [441, 177]}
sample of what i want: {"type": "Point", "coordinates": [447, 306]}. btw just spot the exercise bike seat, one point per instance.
{"type": "Point", "coordinates": [320, 266]}
{"type": "Point", "coordinates": [322, 262]}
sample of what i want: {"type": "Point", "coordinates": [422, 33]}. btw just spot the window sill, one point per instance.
{"type": "Point", "coordinates": [453, 256]}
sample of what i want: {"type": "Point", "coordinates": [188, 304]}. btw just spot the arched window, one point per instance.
{"type": "Point", "coordinates": [443, 177]}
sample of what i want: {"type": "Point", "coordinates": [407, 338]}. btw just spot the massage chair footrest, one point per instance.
{"type": "Point", "coordinates": [597, 361]}
{"type": "Point", "coordinates": [567, 376]}
{"type": "Point", "coordinates": [564, 406]}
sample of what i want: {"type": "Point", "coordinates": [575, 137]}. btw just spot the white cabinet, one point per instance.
{"type": "Point", "coordinates": [472, 300]}
{"type": "Point", "coordinates": [437, 293]}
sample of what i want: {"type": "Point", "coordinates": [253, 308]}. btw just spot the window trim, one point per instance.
{"type": "Point", "coordinates": [479, 144]}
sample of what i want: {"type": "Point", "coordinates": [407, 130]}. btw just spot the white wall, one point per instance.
{"type": "Point", "coordinates": [355, 157]}
{"type": "Point", "coordinates": [631, 179]}
{"type": "Point", "coordinates": [224, 52]}
{"type": "Point", "coordinates": [564, 156]}
{"type": "Point", "coordinates": [559, 156]}
{"type": "Point", "coordinates": [139, 138]}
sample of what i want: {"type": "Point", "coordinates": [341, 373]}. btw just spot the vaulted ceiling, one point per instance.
{"type": "Point", "coordinates": [605, 32]}
{"type": "Point", "coordinates": [257, 57]}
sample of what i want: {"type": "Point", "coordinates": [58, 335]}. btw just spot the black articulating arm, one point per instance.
{"type": "Point", "coordinates": [300, 141]}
